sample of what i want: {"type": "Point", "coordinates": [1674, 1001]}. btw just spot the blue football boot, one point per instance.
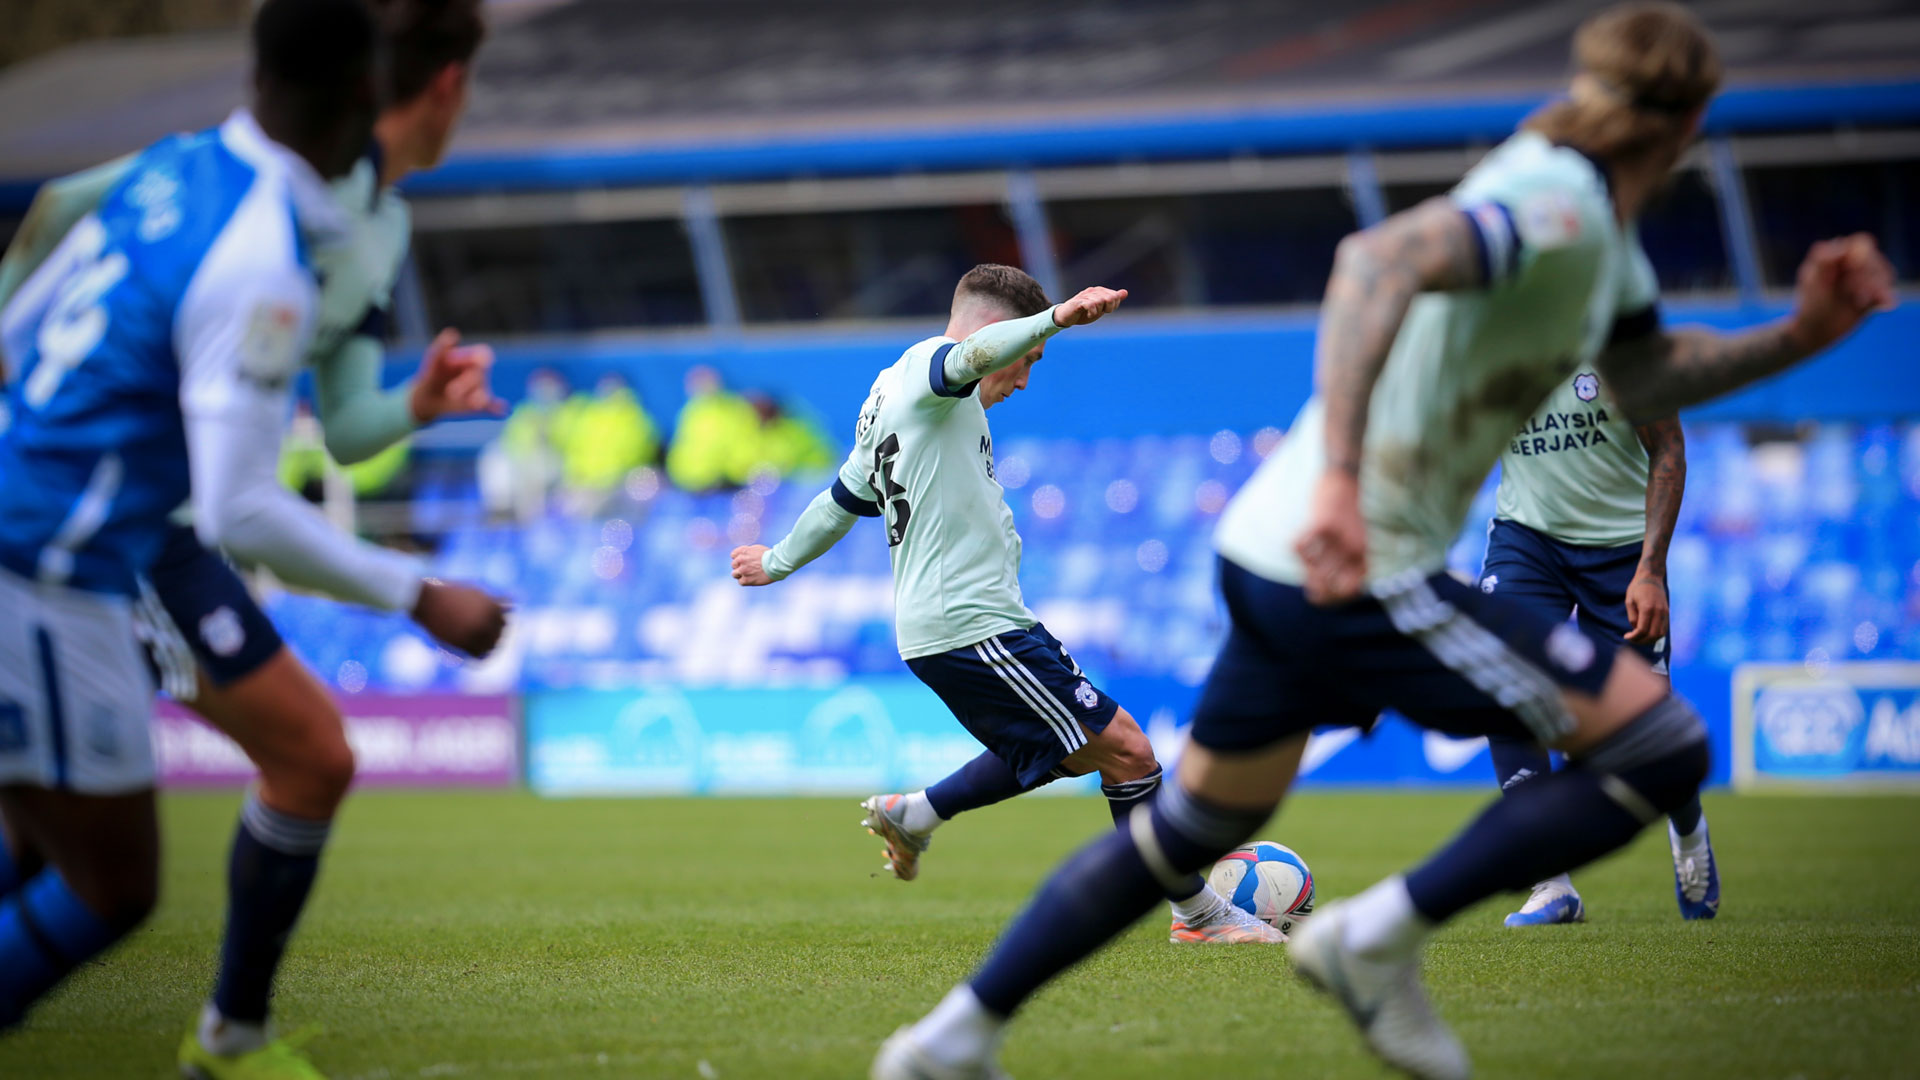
{"type": "Point", "coordinates": [1696, 876]}
{"type": "Point", "coordinates": [1553, 902]}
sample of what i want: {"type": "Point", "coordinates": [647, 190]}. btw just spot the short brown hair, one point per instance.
{"type": "Point", "coordinates": [423, 37]}
{"type": "Point", "coordinates": [1646, 68]}
{"type": "Point", "coordinates": [1007, 287]}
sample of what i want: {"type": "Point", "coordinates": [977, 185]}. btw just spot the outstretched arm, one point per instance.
{"type": "Point", "coordinates": [998, 345]}
{"type": "Point", "coordinates": [825, 520]}
{"type": "Point", "coordinates": [1841, 282]}
{"type": "Point", "coordinates": [360, 419]}
{"type": "Point", "coordinates": [1376, 275]}
{"type": "Point", "coordinates": [1666, 447]}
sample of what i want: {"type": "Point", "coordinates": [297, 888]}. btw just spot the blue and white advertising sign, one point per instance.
{"type": "Point", "coordinates": [1846, 724]}
{"type": "Point", "coordinates": [883, 734]}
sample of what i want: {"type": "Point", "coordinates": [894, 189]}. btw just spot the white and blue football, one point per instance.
{"type": "Point", "coordinates": [1268, 880]}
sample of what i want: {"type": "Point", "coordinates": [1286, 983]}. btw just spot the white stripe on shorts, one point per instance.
{"type": "Point", "coordinates": [1021, 671]}
{"type": "Point", "coordinates": [153, 625]}
{"type": "Point", "coordinates": [1043, 704]}
{"type": "Point", "coordinates": [1476, 654]}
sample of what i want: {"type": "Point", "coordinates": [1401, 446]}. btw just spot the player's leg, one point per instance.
{"type": "Point", "coordinates": [1601, 587]}
{"type": "Point", "coordinates": [100, 880]}
{"type": "Point", "coordinates": [292, 731]}
{"type": "Point", "coordinates": [1634, 751]}
{"type": "Point", "coordinates": [220, 655]}
{"type": "Point", "coordinates": [1248, 734]}
{"type": "Point", "coordinates": [1526, 568]}
{"type": "Point", "coordinates": [76, 783]}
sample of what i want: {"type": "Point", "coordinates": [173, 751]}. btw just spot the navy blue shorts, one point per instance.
{"type": "Point", "coordinates": [1022, 696]}
{"type": "Point", "coordinates": [1443, 654]}
{"type": "Point", "coordinates": [1529, 567]}
{"type": "Point", "coordinates": [196, 612]}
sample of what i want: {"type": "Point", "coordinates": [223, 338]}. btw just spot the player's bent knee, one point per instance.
{"type": "Point", "coordinates": [1185, 833]}
{"type": "Point", "coordinates": [1657, 761]}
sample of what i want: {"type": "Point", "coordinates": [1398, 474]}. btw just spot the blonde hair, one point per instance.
{"type": "Point", "coordinates": [1642, 73]}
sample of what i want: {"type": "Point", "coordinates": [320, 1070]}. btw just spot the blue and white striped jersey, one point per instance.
{"type": "Point", "coordinates": [155, 349]}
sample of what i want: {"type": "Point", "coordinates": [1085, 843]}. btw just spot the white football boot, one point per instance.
{"type": "Point", "coordinates": [901, 1058]}
{"type": "Point", "coordinates": [1383, 996]}
{"type": "Point", "coordinates": [1228, 925]}
{"type": "Point", "coordinates": [886, 819]}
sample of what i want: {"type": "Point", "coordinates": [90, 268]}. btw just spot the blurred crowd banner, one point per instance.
{"type": "Point", "coordinates": [1843, 724]}
{"type": "Point", "coordinates": [892, 734]}
{"type": "Point", "coordinates": [399, 740]}
{"type": "Point", "coordinates": [858, 737]}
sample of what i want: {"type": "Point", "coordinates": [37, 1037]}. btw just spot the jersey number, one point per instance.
{"type": "Point", "coordinates": [77, 320]}
{"type": "Point", "coordinates": [895, 509]}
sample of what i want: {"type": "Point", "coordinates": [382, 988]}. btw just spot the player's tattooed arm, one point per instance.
{"type": "Point", "coordinates": [1840, 283]}
{"type": "Point", "coordinates": [1646, 595]}
{"type": "Point", "coordinates": [1376, 274]}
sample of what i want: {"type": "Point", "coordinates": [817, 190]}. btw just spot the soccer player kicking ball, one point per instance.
{"type": "Point", "coordinates": [156, 347]}
{"type": "Point", "coordinates": [1585, 511]}
{"type": "Point", "coordinates": [922, 461]}
{"type": "Point", "coordinates": [1444, 328]}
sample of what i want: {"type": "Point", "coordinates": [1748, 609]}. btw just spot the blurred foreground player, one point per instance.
{"type": "Point", "coordinates": [922, 461]}
{"type": "Point", "coordinates": [214, 648]}
{"type": "Point", "coordinates": [156, 347]}
{"type": "Point", "coordinates": [1443, 329]}
{"type": "Point", "coordinates": [1585, 511]}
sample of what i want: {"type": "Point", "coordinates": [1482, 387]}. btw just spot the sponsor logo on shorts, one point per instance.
{"type": "Point", "coordinates": [220, 629]}
{"type": "Point", "coordinates": [1086, 695]}
{"type": "Point", "coordinates": [1489, 583]}
{"type": "Point", "coordinates": [1570, 648]}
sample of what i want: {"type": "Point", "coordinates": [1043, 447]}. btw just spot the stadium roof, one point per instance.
{"type": "Point", "coordinates": [601, 76]}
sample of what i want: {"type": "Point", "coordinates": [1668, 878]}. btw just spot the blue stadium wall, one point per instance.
{"type": "Point", "coordinates": [1169, 376]}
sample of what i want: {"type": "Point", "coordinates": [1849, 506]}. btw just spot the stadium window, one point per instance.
{"type": "Point", "coordinates": [1681, 232]}
{"type": "Point", "coordinates": [559, 278]}
{"type": "Point", "coordinates": [1794, 205]}
{"type": "Point", "coordinates": [1216, 249]}
{"type": "Point", "coordinates": [865, 264]}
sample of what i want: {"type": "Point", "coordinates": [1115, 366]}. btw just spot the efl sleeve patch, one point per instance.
{"type": "Point", "coordinates": [270, 347]}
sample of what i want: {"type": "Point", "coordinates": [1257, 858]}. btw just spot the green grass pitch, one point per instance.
{"type": "Point", "coordinates": [505, 936]}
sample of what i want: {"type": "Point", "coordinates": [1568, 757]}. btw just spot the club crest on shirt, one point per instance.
{"type": "Point", "coordinates": [1586, 386]}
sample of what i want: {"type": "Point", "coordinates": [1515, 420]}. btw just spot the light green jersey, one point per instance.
{"type": "Point", "coordinates": [1465, 371]}
{"type": "Point", "coordinates": [1577, 470]}
{"type": "Point", "coordinates": [926, 459]}
{"type": "Point", "coordinates": [357, 277]}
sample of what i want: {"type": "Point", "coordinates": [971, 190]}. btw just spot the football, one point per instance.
{"type": "Point", "coordinates": [1269, 880]}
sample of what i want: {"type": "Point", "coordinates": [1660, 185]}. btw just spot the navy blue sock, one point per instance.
{"type": "Point", "coordinates": [45, 932]}
{"type": "Point", "coordinates": [1127, 794]}
{"type": "Point", "coordinates": [1516, 761]}
{"type": "Point", "coordinates": [981, 782]}
{"type": "Point", "coordinates": [1104, 888]}
{"type": "Point", "coordinates": [1555, 823]}
{"type": "Point", "coordinates": [271, 870]}
{"type": "Point", "coordinates": [1687, 817]}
